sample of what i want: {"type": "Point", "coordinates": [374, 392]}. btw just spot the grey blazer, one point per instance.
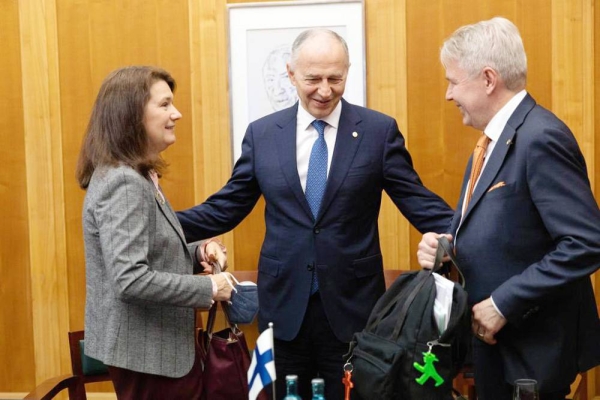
{"type": "Point", "coordinates": [141, 291]}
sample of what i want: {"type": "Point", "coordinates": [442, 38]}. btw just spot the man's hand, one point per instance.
{"type": "Point", "coordinates": [213, 252]}
{"type": "Point", "coordinates": [428, 247]}
{"type": "Point", "coordinates": [486, 321]}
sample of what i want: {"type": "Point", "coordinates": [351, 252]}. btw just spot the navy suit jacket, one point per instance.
{"type": "Point", "coordinates": [530, 238]}
{"type": "Point", "coordinates": [343, 242]}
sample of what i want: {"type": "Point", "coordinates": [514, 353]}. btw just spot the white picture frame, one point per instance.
{"type": "Point", "coordinates": [260, 39]}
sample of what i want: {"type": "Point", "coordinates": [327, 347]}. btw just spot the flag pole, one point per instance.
{"type": "Point", "coordinates": [273, 382]}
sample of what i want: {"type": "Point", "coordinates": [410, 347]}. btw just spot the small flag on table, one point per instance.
{"type": "Point", "coordinates": [262, 368]}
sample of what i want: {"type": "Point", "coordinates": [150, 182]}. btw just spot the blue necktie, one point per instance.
{"type": "Point", "coordinates": [317, 169]}
{"type": "Point", "coordinates": [316, 179]}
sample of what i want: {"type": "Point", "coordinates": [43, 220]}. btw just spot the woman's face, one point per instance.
{"type": "Point", "coordinates": [159, 118]}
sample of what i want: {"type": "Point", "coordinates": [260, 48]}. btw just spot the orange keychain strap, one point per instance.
{"type": "Point", "coordinates": [347, 380]}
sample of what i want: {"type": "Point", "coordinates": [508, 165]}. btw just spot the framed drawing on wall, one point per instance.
{"type": "Point", "coordinates": [260, 41]}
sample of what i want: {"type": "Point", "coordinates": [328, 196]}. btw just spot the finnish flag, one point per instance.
{"type": "Point", "coordinates": [262, 368]}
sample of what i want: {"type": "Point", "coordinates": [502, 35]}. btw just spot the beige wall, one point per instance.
{"type": "Point", "coordinates": [58, 52]}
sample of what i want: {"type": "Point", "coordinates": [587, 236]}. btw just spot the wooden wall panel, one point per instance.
{"type": "Point", "coordinates": [387, 92]}
{"type": "Point", "coordinates": [77, 97]}
{"type": "Point", "coordinates": [573, 71]}
{"type": "Point", "coordinates": [210, 98]}
{"type": "Point", "coordinates": [96, 37]}
{"type": "Point", "coordinates": [45, 190]}
{"type": "Point", "coordinates": [439, 142]}
{"type": "Point", "coordinates": [17, 367]}
{"type": "Point", "coordinates": [595, 388]}
{"type": "Point", "coordinates": [596, 166]}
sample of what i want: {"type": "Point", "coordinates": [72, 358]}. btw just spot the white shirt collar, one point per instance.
{"type": "Point", "coordinates": [495, 127]}
{"type": "Point", "coordinates": [305, 118]}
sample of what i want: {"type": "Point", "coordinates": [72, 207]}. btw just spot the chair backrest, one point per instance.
{"type": "Point", "coordinates": [85, 370]}
{"type": "Point", "coordinates": [88, 368]}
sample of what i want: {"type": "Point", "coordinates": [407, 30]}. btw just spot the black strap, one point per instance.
{"type": "Point", "coordinates": [423, 275]}
{"type": "Point", "coordinates": [392, 302]}
{"type": "Point", "coordinates": [444, 247]}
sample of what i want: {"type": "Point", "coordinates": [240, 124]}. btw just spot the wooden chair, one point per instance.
{"type": "Point", "coordinates": [579, 388]}
{"type": "Point", "coordinates": [85, 370]}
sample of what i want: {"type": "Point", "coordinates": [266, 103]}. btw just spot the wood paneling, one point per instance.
{"type": "Point", "coordinates": [594, 387]}
{"type": "Point", "coordinates": [573, 71]}
{"type": "Point", "coordinates": [439, 142]}
{"type": "Point", "coordinates": [210, 98]}
{"type": "Point", "coordinates": [16, 325]}
{"type": "Point", "coordinates": [45, 191]}
{"type": "Point", "coordinates": [61, 50]}
{"type": "Point", "coordinates": [387, 92]}
{"type": "Point", "coordinates": [596, 114]}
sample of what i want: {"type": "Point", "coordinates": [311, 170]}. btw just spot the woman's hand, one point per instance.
{"type": "Point", "coordinates": [223, 286]}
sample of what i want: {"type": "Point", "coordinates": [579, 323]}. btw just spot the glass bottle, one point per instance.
{"type": "Point", "coordinates": [318, 389]}
{"type": "Point", "coordinates": [526, 389]}
{"type": "Point", "coordinates": [291, 387]}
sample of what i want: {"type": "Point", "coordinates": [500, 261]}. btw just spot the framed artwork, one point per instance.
{"type": "Point", "coordinates": [260, 42]}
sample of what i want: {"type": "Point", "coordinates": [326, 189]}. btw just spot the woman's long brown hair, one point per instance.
{"type": "Point", "coordinates": [115, 133]}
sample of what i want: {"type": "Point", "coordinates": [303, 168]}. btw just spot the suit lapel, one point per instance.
{"type": "Point", "coordinates": [457, 219]}
{"type": "Point", "coordinates": [506, 140]}
{"type": "Point", "coordinates": [346, 145]}
{"type": "Point", "coordinates": [286, 150]}
{"type": "Point", "coordinates": [169, 214]}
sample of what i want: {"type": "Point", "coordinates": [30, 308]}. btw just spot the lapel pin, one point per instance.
{"type": "Point", "coordinates": [354, 134]}
{"type": "Point", "coordinates": [509, 142]}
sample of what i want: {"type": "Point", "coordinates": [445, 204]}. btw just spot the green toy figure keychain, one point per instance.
{"type": "Point", "coordinates": [428, 369]}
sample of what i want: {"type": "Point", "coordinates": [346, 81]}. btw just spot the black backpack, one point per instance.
{"type": "Point", "coordinates": [400, 354]}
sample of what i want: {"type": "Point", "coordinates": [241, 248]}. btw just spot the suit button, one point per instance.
{"type": "Point", "coordinates": [310, 267]}
{"type": "Point", "coordinates": [316, 231]}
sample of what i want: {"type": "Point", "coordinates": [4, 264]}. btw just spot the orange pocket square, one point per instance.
{"type": "Point", "coordinates": [496, 186]}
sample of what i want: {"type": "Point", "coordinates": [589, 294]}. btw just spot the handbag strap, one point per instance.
{"type": "Point", "coordinates": [212, 314]}
{"type": "Point", "coordinates": [210, 321]}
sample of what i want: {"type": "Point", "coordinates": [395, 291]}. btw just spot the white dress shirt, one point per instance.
{"type": "Point", "coordinates": [306, 134]}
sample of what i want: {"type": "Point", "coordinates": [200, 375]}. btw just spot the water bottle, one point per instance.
{"type": "Point", "coordinates": [291, 387]}
{"type": "Point", "coordinates": [525, 389]}
{"type": "Point", "coordinates": [318, 389]}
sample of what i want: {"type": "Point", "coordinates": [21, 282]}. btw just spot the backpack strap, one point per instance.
{"type": "Point", "coordinates": [444, 247]}
{"type": "Point", "coordinates": [422, 275]}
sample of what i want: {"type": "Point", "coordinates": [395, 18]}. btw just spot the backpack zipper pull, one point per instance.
{"type": "Point", "coordinates": [437, 343]}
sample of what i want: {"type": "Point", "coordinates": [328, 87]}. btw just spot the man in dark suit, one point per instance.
{"type": "Point", "coordinates": [336, 244]}
{"type": "Point", "coordinates": [529, 237]}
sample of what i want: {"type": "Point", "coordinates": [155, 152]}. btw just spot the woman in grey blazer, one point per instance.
{"type": "Point", "coordinates": [140, 282]}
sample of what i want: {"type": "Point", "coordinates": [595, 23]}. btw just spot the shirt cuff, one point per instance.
{"type": "Point", "coordinates": [496, 307]}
